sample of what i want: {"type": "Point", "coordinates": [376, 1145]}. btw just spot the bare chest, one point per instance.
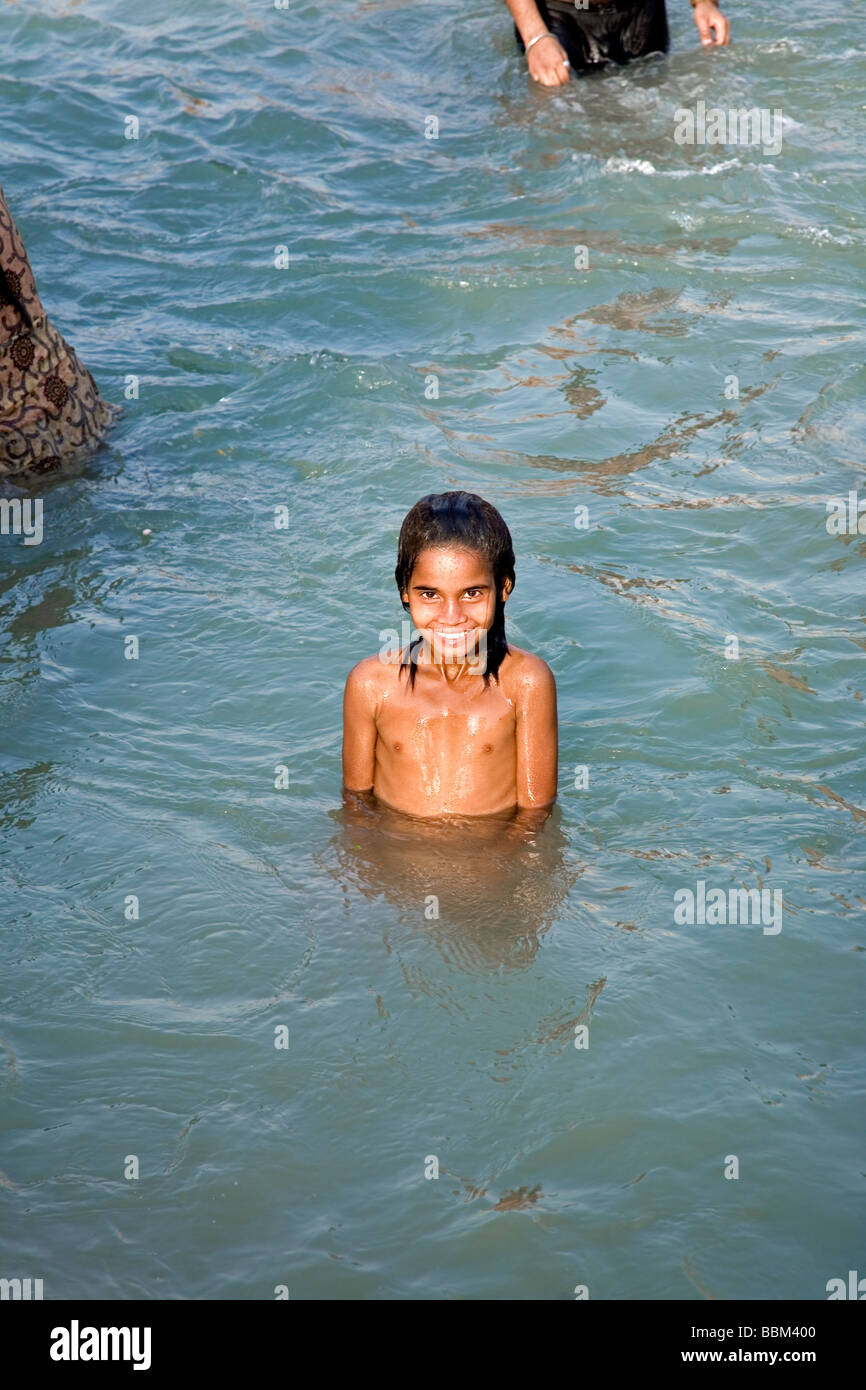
{"type": "Point", "coordinates": [439, 724]}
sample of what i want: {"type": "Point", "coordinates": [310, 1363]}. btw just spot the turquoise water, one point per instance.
{"type": "Point", "coordinates": [311, 387]}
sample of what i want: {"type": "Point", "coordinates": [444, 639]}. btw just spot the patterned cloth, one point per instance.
{"type": "Point", "coordinates": [50, 408]}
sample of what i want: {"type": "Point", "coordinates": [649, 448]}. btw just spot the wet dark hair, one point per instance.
{"type": "Point", "coordinates": [465, 521]}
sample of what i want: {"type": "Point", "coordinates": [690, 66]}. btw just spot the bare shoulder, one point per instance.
{"type": "Point", "coordinates": [366, 675]}
{"type": "Point", "coordinates": [367, 682]}
{"type": "Point", "coordinates": [527, 674]}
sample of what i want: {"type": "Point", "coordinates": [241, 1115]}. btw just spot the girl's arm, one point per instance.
{"type": "Point", "coordinates": [359, 726]}
{"type": "Point", "coordinates": [537, 747]}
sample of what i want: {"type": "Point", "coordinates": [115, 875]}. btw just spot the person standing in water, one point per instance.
{"type": "Point", "coordinates": [459, 723]}
{"type": "Point", "coordinates": [560, 35]}
{"type": "Point", "coordinates": [50, 407]}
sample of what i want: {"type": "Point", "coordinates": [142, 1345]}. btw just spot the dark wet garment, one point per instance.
{"type": "Point", "coordinates": [612, 32]}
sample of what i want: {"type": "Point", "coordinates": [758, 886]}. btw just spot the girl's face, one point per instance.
{"type": "Point", "coordinates": [452, 601]}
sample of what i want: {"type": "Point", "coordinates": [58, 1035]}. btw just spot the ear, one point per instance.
{"type": "Point", "coordinates": [507, 586]}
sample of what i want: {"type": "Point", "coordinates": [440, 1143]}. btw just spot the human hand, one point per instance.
{"type": "Point", "coordinates": [547, 63]}
{"type": "Point", "coordinates": [711, 22]}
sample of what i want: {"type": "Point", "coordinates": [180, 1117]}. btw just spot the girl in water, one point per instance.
{"type": "Point", "coordinates": [459, 723]}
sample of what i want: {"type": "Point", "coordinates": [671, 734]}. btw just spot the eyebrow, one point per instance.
{"type": "Point", "coordinates": [480, 585]}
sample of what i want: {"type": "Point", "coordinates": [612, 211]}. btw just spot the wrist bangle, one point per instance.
{"type": "Point", "coordinates": [538, 37]}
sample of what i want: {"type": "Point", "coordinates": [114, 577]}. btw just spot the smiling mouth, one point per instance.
{"type": "Point", "coordinates": [453, 638]}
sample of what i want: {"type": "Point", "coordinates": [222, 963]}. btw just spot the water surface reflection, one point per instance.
{"type": "Point", "coordinates": [486, 888]}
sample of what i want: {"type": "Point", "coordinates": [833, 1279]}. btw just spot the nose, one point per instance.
{"type": "Point", "coordinates": [453, 612]}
